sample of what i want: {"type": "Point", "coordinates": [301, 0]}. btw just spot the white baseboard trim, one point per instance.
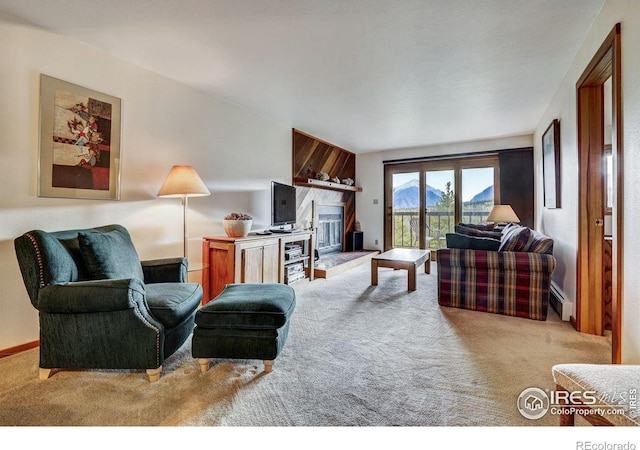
{"type": "Point", "coordinates": [560, 303]}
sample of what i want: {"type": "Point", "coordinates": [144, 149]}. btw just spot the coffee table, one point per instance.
{"type": "Point", "coordinates": [401, 258]}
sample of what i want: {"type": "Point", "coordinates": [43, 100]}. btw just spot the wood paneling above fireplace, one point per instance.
{"type": "Point", "coordinates": [312, 155]}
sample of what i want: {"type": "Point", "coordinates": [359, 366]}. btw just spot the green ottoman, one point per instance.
{"type": "Point", "coordinates": [246, 321]}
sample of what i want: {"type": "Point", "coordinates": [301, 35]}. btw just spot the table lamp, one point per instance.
{"type": "Point", "coordinates": [183, 182]}
{"type": "Point", "coordinates": [502, 214]}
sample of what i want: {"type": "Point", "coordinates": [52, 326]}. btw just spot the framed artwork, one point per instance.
{"type": "Point", "coordinates": [551, 165]}
{"type": "Point", "coordinates": [79, 142]}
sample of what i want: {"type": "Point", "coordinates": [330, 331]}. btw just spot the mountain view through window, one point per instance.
{"type": "Point", "coordinates": [477, 199]}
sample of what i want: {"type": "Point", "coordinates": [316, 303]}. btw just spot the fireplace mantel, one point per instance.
{"type": "Point", "coordinates": [310, 182]}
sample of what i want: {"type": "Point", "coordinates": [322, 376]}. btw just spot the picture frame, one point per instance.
{"type": "Point", "coordinates": [79, 142]}
{"type": "Point", "coordinates": [551, 165]}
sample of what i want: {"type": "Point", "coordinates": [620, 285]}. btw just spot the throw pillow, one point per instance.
{"type": "Point", "coordinates": [540, 243]}
{"type": "Point", "coordinates": [516, 239]}
{"type": "Point", "coordinates": [463, 241]}
{"type": "Point", "coordinates": [110, 255]}
{"type": "Point", "coordinates": [456, 240]}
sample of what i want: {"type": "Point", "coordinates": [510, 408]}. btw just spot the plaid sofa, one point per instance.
{"type": "Point", "coordinates": [514, 280]}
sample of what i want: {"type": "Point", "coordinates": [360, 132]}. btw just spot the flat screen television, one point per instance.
{"type": "Point", "coordinates": [283, 204]}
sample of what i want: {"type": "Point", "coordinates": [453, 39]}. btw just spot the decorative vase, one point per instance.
{"type": "Point", "coordinates": [237, 228]}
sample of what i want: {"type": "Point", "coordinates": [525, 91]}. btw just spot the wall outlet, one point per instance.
{"type": "Point", "coordinates": [375, 201]}
{"type": "Point", "coordinates": [376, 242]}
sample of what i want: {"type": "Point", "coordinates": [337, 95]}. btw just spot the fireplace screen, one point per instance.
{"type": "Point", "coordinates": [330, 228]}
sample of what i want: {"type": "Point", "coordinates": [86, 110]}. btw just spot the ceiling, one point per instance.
{"type": "Point", "coordinates": [366, 75]}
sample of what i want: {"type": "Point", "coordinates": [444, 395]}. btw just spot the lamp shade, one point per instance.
{"type": "Point", "coordinates": [183, 181]}
{"type": "Point", "coordinates": [502, 214]}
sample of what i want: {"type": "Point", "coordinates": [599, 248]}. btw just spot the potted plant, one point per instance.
{"type": "Point", "coordinates": [237, 224]}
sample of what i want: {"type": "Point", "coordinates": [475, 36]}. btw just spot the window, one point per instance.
{"type": "Point", "coordinates": [424, 201]}
{"type": "Point", "coordinates": [477, 194]}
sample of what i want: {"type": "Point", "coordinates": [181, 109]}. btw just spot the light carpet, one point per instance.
{"type": "Point", "coordinates": [357, 355]}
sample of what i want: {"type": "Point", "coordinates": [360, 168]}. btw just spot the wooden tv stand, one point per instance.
{"type": "Point", "coordinates": [252, 259]}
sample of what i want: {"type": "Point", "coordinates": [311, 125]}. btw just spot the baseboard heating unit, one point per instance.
{"type": "Point", "coordinates": [560, 303]}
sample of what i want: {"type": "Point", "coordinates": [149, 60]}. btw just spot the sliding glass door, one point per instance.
{"type": "Point", "coordinates": [404, 209]}
{"type": "Point", "coordinates": [424, 201]}
{"type": "Point", "coordinates": [439, 206]}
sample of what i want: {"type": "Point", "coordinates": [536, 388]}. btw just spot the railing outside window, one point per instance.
{"type": "Point", "coordinates": [406, 232]}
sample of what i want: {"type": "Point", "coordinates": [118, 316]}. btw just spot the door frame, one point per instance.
{"type": "Point", "coordinates": [589, 318]}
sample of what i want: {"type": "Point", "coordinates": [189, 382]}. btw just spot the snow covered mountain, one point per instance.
{"type": "Point", "coordinates": [407, 195]}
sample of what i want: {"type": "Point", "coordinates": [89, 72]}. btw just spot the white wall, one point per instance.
{"type": "Point", "coordinates": [236, 152]}
{"type": "Point", "coordinates": [562, 224]}
{"type": "Point", "coordinates": [370, 176]}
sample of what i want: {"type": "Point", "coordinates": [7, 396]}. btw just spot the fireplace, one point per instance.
{"type": "Point", "coordinates": [330, 228]}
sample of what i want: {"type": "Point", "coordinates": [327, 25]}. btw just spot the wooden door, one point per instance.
{"type": "Point", "coordinates": [590, 312]}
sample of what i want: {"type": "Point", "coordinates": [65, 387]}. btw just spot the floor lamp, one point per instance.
{"type": "Point", "coordinates": [183, 182]}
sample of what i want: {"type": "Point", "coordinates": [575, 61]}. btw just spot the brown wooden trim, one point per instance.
{"type": "Point", "coordinates": [618, 228]}
{"type": "Point", "coordinates": [496, 184]}
{"type": "Point", "coordinates": [445, 163]}
{"type": "Point", "coordinates": [422, 238]}
{"type": "Point", "coordinates": [19, 349]}
{"type": "Point", "coordinates": [387, 208]}
{"type": "Point", "coordinates": [600, 67]}
{"type": "Point", "coordinates": [206, 264]}
{"type": "Point", "coordinates": [457, 187]}
{"type": "Point", "coordinates": [589, 92]}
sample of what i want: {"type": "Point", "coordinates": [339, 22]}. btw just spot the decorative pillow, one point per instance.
{"type": "Point", "coordinates": [516, 239]}
{"type": "Point", "coordinates": [478, 226]}
{"type": "Point", "coordinates": [464, 241]}
{"type": "Point", "coordinates": [541, 244]}
{"type": "Point", "coordinates": [478, 233]}
{"type": "Point", "coordinates": [110, 255]}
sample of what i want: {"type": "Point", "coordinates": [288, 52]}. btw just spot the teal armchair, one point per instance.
{"type": "Point", "coordinates": [99, 306]}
